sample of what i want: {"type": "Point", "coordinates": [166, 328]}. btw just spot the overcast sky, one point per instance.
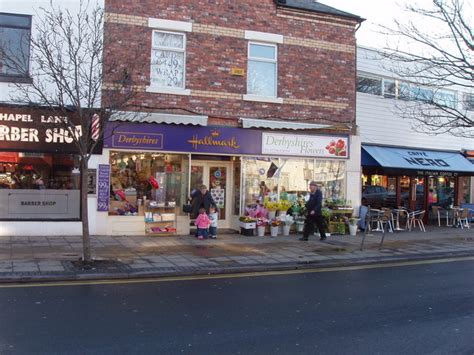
{"type": "Point", "coordinates": [375, 12]}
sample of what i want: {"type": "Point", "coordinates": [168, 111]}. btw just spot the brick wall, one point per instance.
{"type": "Point", "coordinates": [316, 62]}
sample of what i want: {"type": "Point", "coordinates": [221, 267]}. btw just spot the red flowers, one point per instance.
{"type": "Point", "coordinates": [337, 148]}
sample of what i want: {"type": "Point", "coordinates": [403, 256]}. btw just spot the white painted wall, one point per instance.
{"type": "Point", "coordinates": [31, 7]}
{"type": "Point", "coordinates": [380, 123]}
{"type": "Point", "coordinates": [353, 174]}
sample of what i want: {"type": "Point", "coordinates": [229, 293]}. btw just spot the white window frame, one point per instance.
{"type": "Point", "coordinates": [167, 89]}
{"type": "Point", "coordinates": [256, 97]}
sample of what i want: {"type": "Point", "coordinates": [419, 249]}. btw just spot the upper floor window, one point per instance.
{"type": "Point", "coordinates": [469, 101]}
{"type": "Point", "coordinates": [369, 85]}
{"type": "Point", "coordinates": [262, 70]}
{"type": "Point", "coordinates": [168, 60]}
{"type": "Point", "coordinates": [15, 32]}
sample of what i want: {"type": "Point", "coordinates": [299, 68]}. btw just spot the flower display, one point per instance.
{"type": "Point", "coordinates": [298, 207]}
{"type": "Point", "coordinates": [262, 221]}
{"type": "Point", "coordinates": [284, 205]}
{"type": "Point", "coordinates": [256, 212]}
{"type": "Point", "coordinates": [247, 219]}
{"type": "Point", "coordinates": [271, 205]}
{"type": "Point", "coordinates": [287, 220]}
{"type": "Point", "coordinates": [275, 222]}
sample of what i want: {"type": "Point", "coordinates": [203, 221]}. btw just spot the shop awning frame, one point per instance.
{"type": "Point", "coordinates": [271, 124]}
{"type": "Point", "coordinates": [156, 117]}
{"type": "Point", "coordinates": [415, 161]}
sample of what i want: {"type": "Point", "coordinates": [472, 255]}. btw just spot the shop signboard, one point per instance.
{"type": "Point", "coordinates": [222, 140]}
{"type": "Point", "coordinates": [305, 145]}
{"type": "Point", "coordinates": [182, 138]}
{"type": "Point", "coordinates": [43, 130]}
{"type": "Point", "coordinates": [103, 187]}
{"type": "Point", "coordinates": [39, 204]}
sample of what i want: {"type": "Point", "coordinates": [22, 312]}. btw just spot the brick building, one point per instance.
{"type": "Point", "coordinates": [233, 95]}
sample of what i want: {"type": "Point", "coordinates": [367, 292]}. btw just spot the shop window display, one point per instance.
{"type": "Point", "coordinates": [143, 179]}
{"type": "Point", "coordinates": [39, 186]}
{"type": "Point", "coordinates": [287, 179]}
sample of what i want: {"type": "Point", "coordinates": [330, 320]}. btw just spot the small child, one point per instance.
{"type": "Point", "coordinates": [202, 223]}
{"type": "Point", "coordinates": [213, 217]}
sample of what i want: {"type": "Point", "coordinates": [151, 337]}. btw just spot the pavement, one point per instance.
{"type": "Point", "coordinates": [56, 258]}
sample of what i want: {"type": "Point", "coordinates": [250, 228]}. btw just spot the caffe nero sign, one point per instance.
{"type": "Point", "coordinates": [36, 130]}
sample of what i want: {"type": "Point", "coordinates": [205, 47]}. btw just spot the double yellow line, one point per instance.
{"type": "Point", "coordinates": [233, 276]}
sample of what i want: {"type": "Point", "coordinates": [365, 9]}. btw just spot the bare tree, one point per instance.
{"type": "Point", "coordinates": [434, 52]}
{"type": "Point", "coordinates": [67, 72]}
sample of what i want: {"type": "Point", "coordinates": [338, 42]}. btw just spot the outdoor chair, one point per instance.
{"type": "Point", "coordinates": [437, 213]}
{"type": "Point", "coordinates": [462, 219]}
{"type": "Point", "coordinates": [386, 219]}
{"type": "Point", "coordinates": [416, 218]}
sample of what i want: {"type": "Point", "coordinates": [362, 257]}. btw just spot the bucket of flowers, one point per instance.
{"type": "Point", "coordinates": [284, 206]}
{"type": "Point", "coordinates": [262, 223]}
{"type": "Point", "coordinates": [287, 221]}
{"type": "Point", "coordinates": [274, 227]}
{"type": "Point", "coordinates": [271, 207]}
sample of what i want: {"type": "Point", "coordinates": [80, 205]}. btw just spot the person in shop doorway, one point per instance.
{"type": "Point", "coordinates": [201, 199]}
{"type": "Point", "coordinates": [202, 223]}
{"type": "Point", "coordinates": [213, 216]}
{"type": "Point", "coordinates": [315, 215]}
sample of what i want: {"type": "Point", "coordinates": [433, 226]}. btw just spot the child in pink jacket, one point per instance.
{"type": "Point", "coordinates": [202, 223]}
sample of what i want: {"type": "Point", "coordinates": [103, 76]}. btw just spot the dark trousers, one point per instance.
{"type": "Point", "coordinates": [309, 224]}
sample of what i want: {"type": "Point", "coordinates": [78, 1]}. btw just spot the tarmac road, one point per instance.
{"type": "Point", "coordinates": [426, 308]}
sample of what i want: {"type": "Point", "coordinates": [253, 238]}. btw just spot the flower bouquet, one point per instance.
{"type": "Point", "coordinates": [284, 206]}
{"type": "Point", "coordinates": [287, 221]}
{"type": "Point", "coordinates": [261, 224]}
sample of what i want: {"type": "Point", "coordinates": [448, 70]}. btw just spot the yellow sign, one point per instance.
{"type": "Point", "coordinates": [237, 71]}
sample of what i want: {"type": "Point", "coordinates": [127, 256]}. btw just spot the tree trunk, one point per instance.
{"type": "Point", "coordinates": [86, 244]}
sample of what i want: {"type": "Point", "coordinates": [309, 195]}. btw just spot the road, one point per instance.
{"type": "Point", "coordinates": [415, 309]}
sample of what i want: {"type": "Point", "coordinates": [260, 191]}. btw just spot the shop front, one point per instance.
{"type": "Point", "coordinates": [39, 179]}
{"type": "Point", "coordinates": [155, 167]}
{"type": "Point", "coordinates": [414, 178]}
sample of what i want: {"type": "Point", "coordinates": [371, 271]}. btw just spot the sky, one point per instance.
{"type": "Point", "coordinates": [375, 12]}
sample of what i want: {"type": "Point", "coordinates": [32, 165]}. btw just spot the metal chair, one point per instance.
{"type": "Point", "coordinates": [387, 219]}
{"type": "Point", "coordinates": [416, 218]}
{"type": "Point", "coordinates": [462, 219]}
{"type": "Point", "coordinates": [437, 213]}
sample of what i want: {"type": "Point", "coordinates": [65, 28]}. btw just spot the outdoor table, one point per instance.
{"type": "Point", "coordinates": [397, 211]}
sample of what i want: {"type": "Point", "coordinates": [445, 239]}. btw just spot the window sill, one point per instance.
{"type": "Point", "coordinates": [273, 100]}
{"type": "Point", "coordinates": [170, 91]}
{"type": "Point", "coordinates": [15, 79]}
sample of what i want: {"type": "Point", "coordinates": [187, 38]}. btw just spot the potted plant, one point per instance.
{"type": "Point", "coordinates": [353, 225]}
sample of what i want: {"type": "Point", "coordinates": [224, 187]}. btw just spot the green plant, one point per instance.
{"type": "Point", "coordinates": [353, 221]}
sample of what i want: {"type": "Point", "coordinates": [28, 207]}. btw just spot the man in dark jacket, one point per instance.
{"type": "Point", "coordinates": [315, 215]}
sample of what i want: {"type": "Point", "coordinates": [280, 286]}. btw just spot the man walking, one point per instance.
{"type": "Point", "coordinates": [315, 215]}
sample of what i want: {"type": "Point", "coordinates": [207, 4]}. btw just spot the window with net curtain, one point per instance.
{"type": "Point", "coordinates": [262, 70]}
{"type": "Point", "coordinates": [168, 58]}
